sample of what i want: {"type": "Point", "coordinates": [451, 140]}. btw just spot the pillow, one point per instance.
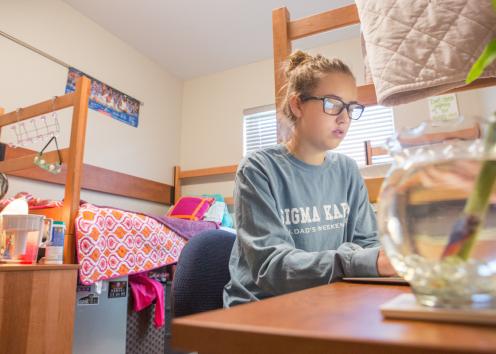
{"type": "Point", "coordinates": [191, 208]}
{"type": "Point", "coordinates": [216, 212]}
{"type": "Point", "coordinates": [226, 218]}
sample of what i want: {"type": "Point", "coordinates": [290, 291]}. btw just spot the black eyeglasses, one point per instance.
{"type": "Point", "coordinates": [334, 105]}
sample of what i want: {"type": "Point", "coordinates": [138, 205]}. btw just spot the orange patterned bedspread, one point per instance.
{"type": "Point", "coordinates": [111, 243]}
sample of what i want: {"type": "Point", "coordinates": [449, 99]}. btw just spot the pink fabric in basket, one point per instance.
{"type": "Point", "coordinates": [145, 291]}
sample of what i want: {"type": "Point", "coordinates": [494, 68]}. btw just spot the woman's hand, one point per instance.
{"type": "Point", "coordinates": [384, 267]}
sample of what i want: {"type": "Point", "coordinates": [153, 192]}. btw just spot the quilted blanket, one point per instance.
{"type": "Point", "coordinates": [112, 243]}
{"type": "Point", "coordinates": [422, 48]}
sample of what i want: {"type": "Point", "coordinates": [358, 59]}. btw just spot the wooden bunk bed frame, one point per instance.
{"type": "Point", "coordinates": [373, 184]}
{"type": "Point", "coordinates": [284, 32]}
{"type": "Point", "coordinates": [75, 174]}
{"type": "Point", "coordinates": [470, 133]}
{"type": "Point", "coordinates": [180, 176]}
{"type": "Point", "coordinates": [51, 289]}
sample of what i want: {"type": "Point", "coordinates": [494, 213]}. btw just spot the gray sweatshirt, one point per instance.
{"type": "Point", "coordinates": [298, 225]}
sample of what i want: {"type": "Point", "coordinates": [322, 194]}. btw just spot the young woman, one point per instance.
{"type": "Point", "coordinates": [302, 212]}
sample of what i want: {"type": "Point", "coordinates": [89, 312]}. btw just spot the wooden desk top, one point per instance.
{"type": "Point", "coordinates": [338, 318]}
{"type": "Point", "coordinates": [30, 267]}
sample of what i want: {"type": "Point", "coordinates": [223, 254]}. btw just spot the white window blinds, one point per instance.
{"type": "Point", "coordinates": [376, 125]}
{"type": "Point", "coordinates": [259, 128]}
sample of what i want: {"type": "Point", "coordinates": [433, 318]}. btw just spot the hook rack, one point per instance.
{"type": "Point", "coordinates": [37, 129]}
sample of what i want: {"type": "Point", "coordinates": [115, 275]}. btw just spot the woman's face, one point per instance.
{"type": "Point", "coordinates": [319, 129]}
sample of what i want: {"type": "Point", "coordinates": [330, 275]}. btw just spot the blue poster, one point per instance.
{"type": "Point", "coordinates": [106, 99]}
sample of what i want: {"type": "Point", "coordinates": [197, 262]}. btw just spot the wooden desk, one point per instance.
{"type": "Point", "coordinates": [339, 318]}
{"type": "Point", "coordinates": [37, 305]}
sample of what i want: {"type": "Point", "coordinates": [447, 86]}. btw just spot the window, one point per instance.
{"type": "Point", "coordinates": [259, 128]}
{"type": "Point", "coordinates": [376, 125]}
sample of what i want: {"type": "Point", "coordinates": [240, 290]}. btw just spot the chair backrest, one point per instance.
{"type": "Point", "coordinates": [201, 273]}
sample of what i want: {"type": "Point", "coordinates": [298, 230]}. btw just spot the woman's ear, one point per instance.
{"type": "Point", "coordinates": [295, 105]}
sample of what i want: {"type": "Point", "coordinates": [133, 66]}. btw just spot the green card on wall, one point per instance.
{"type": "Point", "coordinates": [443, 108]}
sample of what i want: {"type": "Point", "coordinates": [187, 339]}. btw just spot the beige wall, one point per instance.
{"type": "Point", "coordinates": [212, 126]}
{"type": "Point", "coordinates": [470, 106]}
{"type": "Point", "coordinates": [489, 101]}
{"type": "Point", "coordinates": [148, 151]}
{"type": "Point", "coordinates": [212, 115]}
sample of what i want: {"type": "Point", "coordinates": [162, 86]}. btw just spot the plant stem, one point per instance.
{"type": "Point", "coordinates": [465, 231]}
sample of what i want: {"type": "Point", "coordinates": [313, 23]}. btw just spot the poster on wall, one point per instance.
{"type": "Point", "coordinates": [443, 108]}
{"type": "Point", "coordinates": [106, 99]}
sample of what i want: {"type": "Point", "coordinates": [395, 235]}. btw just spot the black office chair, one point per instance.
{"type": "Point", "coordinates": [201, 273]}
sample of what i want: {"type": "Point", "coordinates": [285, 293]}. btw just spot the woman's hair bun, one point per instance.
{"type": "Point", "coordinates": [296, 59]}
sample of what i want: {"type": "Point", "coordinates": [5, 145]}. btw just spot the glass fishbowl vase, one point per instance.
{"type": "Point", "coordinates": [437, 218]}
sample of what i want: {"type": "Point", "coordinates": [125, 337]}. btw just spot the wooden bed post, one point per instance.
{"type": "Point", "coordinates": [177, 184]}
{"type": "Point", "coordinates": [282, 50]}
{"type": "Point", "coordinates": [368, 152]}
{"type": "Point", "coordinates": [2, 111]}
{"type": "Point", "coordinates": [74, 166]}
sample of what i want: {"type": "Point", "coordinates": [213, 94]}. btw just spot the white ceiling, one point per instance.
{"type": "Point", "coordinates": [193, 38]}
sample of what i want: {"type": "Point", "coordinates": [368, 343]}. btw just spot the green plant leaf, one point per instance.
{"type": "Point", "coordinates": [486, 58]}
{"type": "Point", "coordinates": [494, 5]}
